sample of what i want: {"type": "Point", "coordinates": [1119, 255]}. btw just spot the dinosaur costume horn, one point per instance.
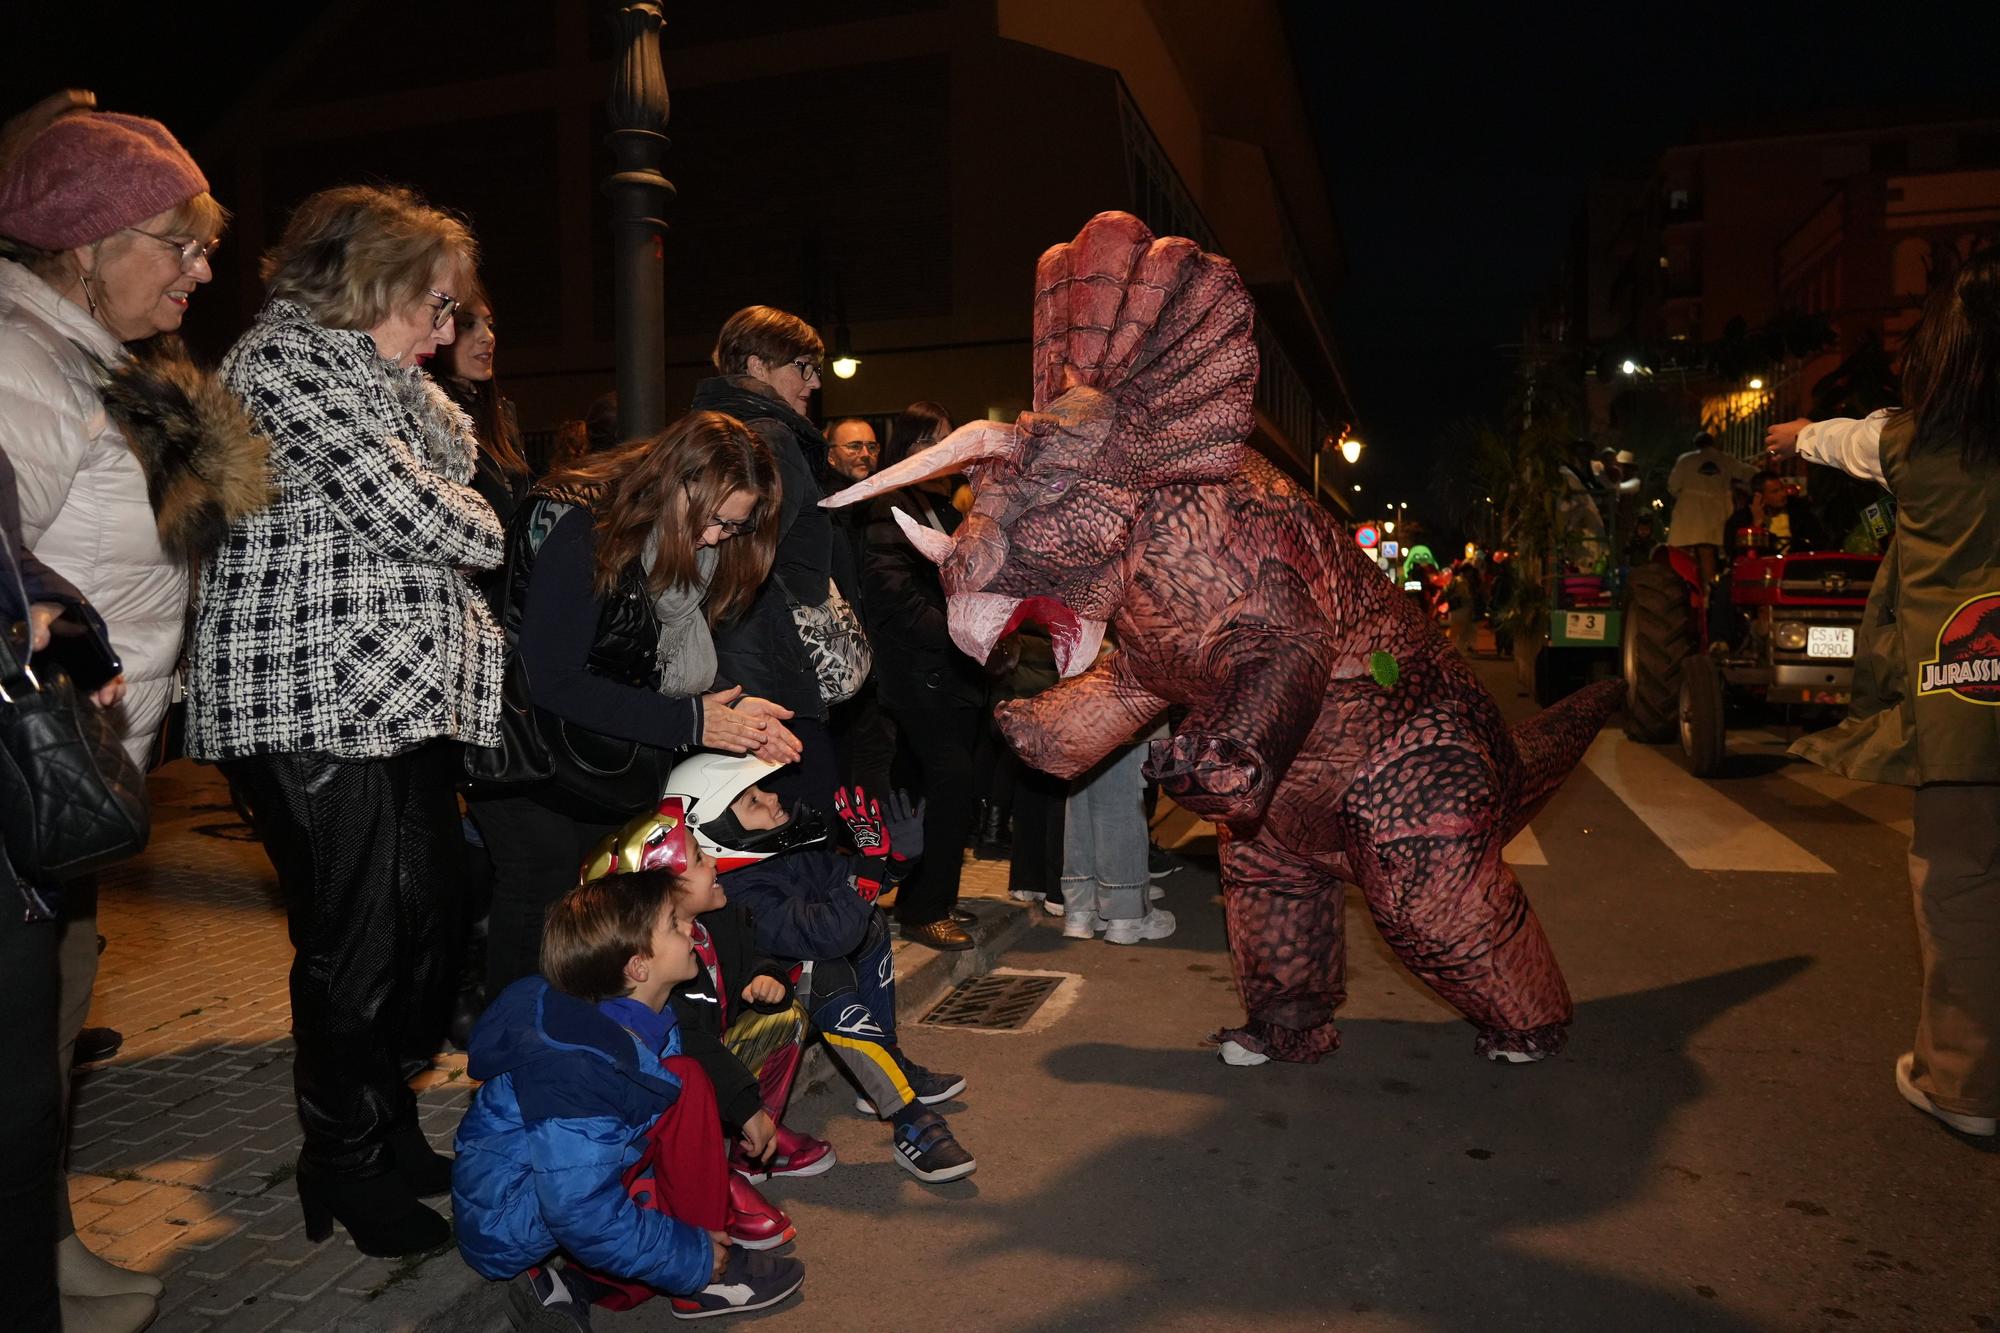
{"type": "Point", "coordinates": [974, 442]}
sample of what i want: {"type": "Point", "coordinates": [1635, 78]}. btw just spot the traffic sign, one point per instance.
{"type": "Point", "coordinates": [1368, 535]}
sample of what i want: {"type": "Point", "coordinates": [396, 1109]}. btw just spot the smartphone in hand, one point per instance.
{"type": "Point", "coordinates": [78, 645]}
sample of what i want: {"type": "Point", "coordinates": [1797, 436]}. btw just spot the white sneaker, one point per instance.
{"type": "Point", "coordinates": [1154, 893]}
{"type": "Point", "coordinates": [1979, 1126]}
{"type": "Point", "coordinates": [1027, 896]}
{"type": "Point", "coordinates": [1082, 925]}
{"type": "Point", "coordinates": [1241, 1056]}
{"type": "Point", "coordinates": [124, 1312]}
{"type": "Point", "coordinates": [1157, 924]}
{"type": "Point", "coordinates": [1053, 906]}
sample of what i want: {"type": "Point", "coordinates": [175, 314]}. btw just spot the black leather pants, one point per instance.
{"type": "Point", "coordinates": [371, 865]}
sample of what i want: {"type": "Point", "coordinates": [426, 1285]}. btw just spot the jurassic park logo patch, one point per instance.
{"type": "Point", "coordinates": [1967, 664]}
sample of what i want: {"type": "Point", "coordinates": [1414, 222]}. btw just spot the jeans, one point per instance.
{"type": "Point", "coordinates": [1104, 839]}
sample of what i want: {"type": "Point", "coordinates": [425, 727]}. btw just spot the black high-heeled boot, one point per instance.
{"type": "Point", "coordinates": [426, 1170]}
{"type": "Point", "coordinates": [379, 1211]}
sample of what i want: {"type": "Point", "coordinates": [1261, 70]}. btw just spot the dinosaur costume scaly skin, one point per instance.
{"type": "Point", "coordinates": [1324, 725]}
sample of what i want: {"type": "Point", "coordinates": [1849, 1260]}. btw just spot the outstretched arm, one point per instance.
{"type": "Point", "coordinates": [1067, 728]}
{"type": "Point", "coordinates": [1265, 665]}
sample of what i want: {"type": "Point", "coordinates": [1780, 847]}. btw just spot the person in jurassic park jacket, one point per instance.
{"type": "Point", "coordinates": [1926, 711]}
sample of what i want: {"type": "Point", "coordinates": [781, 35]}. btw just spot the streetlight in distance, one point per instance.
{"type": "Point", "coordinates": [1350, 449]}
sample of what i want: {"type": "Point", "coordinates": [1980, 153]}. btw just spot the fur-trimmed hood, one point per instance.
{"type": "Point", "coordinates": [206, 465]}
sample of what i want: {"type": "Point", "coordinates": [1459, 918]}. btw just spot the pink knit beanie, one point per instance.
{"type": "Point", "coordinates": [90, 174]}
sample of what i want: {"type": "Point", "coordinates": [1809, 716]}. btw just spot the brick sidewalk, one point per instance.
{"type": "Point", "coordinates": [184, 1146]}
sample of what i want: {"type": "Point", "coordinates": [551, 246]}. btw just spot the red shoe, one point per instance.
{"type": "Point", "coordinates": [755, 1223]}
{"type": "Point", "coordinates": [799, 1154]}
{"type": "Point", "coordinates": [795, 1154]}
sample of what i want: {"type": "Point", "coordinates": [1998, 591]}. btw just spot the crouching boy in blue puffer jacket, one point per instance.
{"type": "Point", "coordinates": [591, 1137]}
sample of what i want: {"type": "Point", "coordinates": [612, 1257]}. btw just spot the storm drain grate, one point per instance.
{"type": "Point", "coordinates": [1001, 1003]}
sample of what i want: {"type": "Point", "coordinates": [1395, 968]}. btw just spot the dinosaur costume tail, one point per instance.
{"type": "Point", "coordinates": [1553, 740]}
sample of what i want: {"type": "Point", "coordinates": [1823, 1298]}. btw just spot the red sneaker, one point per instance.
{"type": "Point", "coordinates": [794, 1154]}
{"type": "Point", "coordinates": [755, 1223]}
{"type": "Point", "coordinates": [799, 1154]}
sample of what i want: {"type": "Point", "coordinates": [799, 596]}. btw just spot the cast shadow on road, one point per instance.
{"type": "Point", "coordinates": [1403, 1195]}
{"type": "Point", "coordinates": [1399, 1180]}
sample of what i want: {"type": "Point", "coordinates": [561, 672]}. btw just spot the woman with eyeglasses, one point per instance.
{"type": "Point", "coordinates": [340, 652]}
{"type": "Point", "coordinates": [618, 567]}
{"type": "Point", "coordinates": [768, 365]}
{"type": "Point", "coordinates": [463, 368]}
{"type": "Point", "coordinates": [106, 226]}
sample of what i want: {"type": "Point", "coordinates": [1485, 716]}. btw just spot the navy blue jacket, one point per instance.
{"type": "Point", "coordinates": [566, 1101]}
{"type": "Point", "coordinates": [802, 903]}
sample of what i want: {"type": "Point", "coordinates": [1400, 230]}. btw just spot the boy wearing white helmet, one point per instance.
{"type": "Point", "coordinates": [811, 903]}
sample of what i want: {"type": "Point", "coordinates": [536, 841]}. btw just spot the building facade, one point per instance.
{"type": "Point", "coordinates": [893, 167]}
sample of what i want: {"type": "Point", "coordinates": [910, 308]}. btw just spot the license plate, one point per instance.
{"type": "Point", "coordinates": [1829, 641]}
{"type": "Point", "coordinates": [1583, 625]}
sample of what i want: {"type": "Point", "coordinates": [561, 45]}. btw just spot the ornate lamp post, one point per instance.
{"type": "Point", "coordinates": [639, 194]}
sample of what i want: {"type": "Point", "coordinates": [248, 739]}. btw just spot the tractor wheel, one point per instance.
{"type": "Point", "coordinates": [1704, 720]}
{"type": "Point", "coordinates": [1658, 637]}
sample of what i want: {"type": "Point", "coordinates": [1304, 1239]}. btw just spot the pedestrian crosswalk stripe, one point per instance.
{"type": "Point", "coordinates": [1700, 825]}
{"type": "Point", "coordinates": [1525, 850]}
{"type": "Point", "coordinates": [1881, 802]}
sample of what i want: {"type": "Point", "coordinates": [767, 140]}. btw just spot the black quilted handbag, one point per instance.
{"type": "Point", "coordinates": [74, 801]}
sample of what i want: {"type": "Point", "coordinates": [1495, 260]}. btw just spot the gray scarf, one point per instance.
{"type": "Point", "coordinates": [686, 651]}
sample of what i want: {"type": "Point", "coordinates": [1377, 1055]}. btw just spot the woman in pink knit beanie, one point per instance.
{"type": "Point", "coordinates": [106, 225]}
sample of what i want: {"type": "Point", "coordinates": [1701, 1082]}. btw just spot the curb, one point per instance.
{"type": "Point", "coordinates": [442, 1295]}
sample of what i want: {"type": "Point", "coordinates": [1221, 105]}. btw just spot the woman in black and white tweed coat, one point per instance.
{"type": "Point", "coordinates": [339, 649]}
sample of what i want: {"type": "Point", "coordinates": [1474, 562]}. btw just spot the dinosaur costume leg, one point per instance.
{"type": "Point", "coordinates": [1287, 946]}
{"type": "Point", "coordinates": [1428, 825]}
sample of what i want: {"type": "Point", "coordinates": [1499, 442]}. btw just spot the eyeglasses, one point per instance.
{"type": "Point", "coordinates": [446, 309]}
{"type": "Point", "coordinates": [731, 527]}
{"type": "Point", "coordinates": [808, 369]}
{"type": "Point", "coordinates": [192, 252]}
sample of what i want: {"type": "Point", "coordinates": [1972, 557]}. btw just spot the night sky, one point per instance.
{"type": "Point", "coordinates": [1456, 148]}
{"type": "Point", "coordinates": [1457, 151]}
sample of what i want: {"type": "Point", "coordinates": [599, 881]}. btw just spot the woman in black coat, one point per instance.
{"type": "Point", "coordinates": [935, 692]}
{"type": "Point", "coordinates": [769, 364]}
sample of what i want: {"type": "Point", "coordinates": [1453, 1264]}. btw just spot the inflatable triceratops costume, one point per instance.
{"type": "Point", "coordinates": [1318, 719]}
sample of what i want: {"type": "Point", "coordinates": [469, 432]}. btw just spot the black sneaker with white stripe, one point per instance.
{"type": "Point", "coordinates": [926, 1149]}
{"type": "Point", "coordinates": [751, 1280]}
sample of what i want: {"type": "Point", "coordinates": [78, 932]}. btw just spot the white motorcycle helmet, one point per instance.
{"type": "Point", "coordinates": [709, 783]}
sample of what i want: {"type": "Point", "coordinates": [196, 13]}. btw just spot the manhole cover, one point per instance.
{"type": "Point", "coordinates": [1001, 1003]}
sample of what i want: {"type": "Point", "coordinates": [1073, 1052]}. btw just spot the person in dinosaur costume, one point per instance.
{"type": "Point", "coordinates": [1328, 730]}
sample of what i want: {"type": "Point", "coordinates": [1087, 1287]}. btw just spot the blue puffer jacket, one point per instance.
{"type": "Point", "coordinates": [567, 1099]}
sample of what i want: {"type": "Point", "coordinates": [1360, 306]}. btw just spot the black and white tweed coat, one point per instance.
{"type": "Point", "coordinates": [340, 620]}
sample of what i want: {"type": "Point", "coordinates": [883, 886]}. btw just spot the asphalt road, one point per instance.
{"type": "Point", "coordinates": [1720, 1148]}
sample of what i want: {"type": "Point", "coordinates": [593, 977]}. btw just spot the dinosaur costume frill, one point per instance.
{"type": "Point", "coordinates": [1326, 727]}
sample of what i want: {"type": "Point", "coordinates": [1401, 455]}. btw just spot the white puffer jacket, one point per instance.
{"type": "Point", "coordinates": [84, 511]}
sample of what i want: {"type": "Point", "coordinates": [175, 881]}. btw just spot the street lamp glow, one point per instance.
{"type": "Point", "coordinates": [1350, 449]}
{"type": "Point", "coordinates": [1756, 383]}
{"type": "Point", "coordinates": [1629, 366]}
{"type": "Point", "coordinates": [845, 366]}
{"type": "Point", "coordinates": [1390, 527]}
{"type": "Point", "coordinates": [1357, 488]}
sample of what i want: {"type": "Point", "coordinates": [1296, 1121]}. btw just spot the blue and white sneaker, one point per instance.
{"type": "Point", "coordinates": [926, 1149]}
{"type": "Point", "coordinates": [931, 1087]}
{"type": "Point", "coordinates": [750, 1280]}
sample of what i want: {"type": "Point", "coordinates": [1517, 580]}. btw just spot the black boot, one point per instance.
{"type": "Point", "coordinates": [378, 1210]}
{"type": "Point", "coordinates": [424, 1169]}
{"type": "Point", "coordinates": [990, 839]}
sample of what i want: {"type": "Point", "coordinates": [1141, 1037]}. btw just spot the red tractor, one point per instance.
{"type": "Point", "coordinates": [1782, 632]}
